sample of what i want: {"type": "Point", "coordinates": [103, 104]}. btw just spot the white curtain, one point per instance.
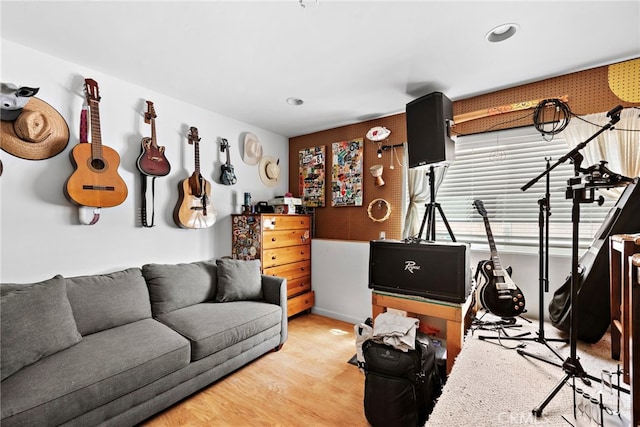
{"type": "Point", "coordinates": [418, 180]}
{"type": "Point", "coordinates": [620, 147]}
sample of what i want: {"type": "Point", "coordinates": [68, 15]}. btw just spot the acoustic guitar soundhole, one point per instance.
{"type": "Point", "coordinates": [97, 164]}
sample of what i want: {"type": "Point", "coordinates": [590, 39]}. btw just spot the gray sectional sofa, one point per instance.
{"type": "Point", "coordinates": [114, 349]}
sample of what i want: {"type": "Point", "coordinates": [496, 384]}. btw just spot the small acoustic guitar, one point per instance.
{"type": "Point", "coordinates": [194, 208]}
{"type": "Point", "coordinates": [152, 161]}
{"type": "Point", "coordinates": [227, 176]}
{"type": "Point", "coordinates": [95, 181]}
{"type": "Point", "coordinates": [499, 294]}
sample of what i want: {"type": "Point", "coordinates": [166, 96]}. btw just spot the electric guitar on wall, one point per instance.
{"type": "Point", "coordinates": [194, 208]}
{"type": "Point", "coordinates": [228, 176]}
{"type": "Point", "coordinates": [499, 294]}
{"type": "Point", "coordinates": [152, 161]}
{"type": "Point", "coordinates": [95, 181]}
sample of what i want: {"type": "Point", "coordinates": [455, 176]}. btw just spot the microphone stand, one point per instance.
{"type": "Point", "coordinates": [571, 366]}
{"type": "Point", "coordinates": [543, 271]}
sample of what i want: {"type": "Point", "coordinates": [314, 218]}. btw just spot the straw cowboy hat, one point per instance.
{"type": "Point", "coordinates": [38, 133]}
{"type": "Point", "coordinates": [269, 170]}
{"type": "Point", "coordinates": [252, 149]}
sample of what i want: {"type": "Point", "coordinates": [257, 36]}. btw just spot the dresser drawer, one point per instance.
{"type": "Point", "coordinates": [286, 255]}
{"type": "Point", "coordinates": [298, 286]}
{"type": "Point", "coordinates": [279, 239]}
{"type": "Point", "coordinates": [290, 271]}
{"type": "Point", "coordinates": [300, 303]}
{"type": "Point", "coordinates": [285, 222]}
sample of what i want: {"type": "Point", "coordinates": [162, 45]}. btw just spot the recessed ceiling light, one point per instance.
{"type": "Point", "coordinates": [294, 101]}
{"type": "Point", "coordinates": [502, 32]}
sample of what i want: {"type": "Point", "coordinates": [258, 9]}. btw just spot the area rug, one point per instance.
{"type": "Point", "coordinates": [493, 385]}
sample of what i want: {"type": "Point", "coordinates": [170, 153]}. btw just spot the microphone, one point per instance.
{"type": "Point", "coordinates": [614, 111]}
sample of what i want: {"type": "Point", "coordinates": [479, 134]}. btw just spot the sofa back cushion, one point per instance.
{"type": "Point", "coordinates": [35, 321]}
{"type": "Point", "coordinates": [104, 301]}
{"type": "Point", "coordinates": [174, 286]}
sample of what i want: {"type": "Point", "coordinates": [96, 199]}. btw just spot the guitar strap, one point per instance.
{"type": "Point", "coordinates": [145, 223]}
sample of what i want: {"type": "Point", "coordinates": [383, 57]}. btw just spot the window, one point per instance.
{"type": "Point", "coordinates": [493, 167]}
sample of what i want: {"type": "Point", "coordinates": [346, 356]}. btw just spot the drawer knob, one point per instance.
{"type": "Point", "coordinates": [273, 239]}
{"type": "Point", "coordinates": [273, 257]}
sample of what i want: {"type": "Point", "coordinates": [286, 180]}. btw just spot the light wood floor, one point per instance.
{"type": "Point", "coordinates": [307, 383]}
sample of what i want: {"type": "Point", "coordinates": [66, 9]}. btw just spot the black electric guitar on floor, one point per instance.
{"type": "Point", "coordinates": [499, 294]}
{"type": "Point", "coordinates": [227, 176]}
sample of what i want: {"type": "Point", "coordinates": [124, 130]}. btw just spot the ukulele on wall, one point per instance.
{"type": "Point", "coordinates": [194, 208]}
{"type": "Point", "coordinates": [95, 181]}
{"type": "Point", "coordinates": [228, 176]}
{"type": "Point", "coordinates": [152, 161]}
{"type": "Point", "coordinates": [499, 294]}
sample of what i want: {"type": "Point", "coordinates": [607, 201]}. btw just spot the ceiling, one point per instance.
{"type": "Point", "coordinates": [350, 61]}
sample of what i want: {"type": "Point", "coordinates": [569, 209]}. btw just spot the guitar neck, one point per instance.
{"type": "Point", "coordinates": [96, 139]}
{"type": "Point", "coordinates": [153, 133]}
{"type": "Point", "coordinates": [196, 144]}
{"type": "Point", "coordinates": [492, 245]}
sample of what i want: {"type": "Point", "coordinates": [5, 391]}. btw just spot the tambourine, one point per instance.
{"type": "Point", "coordinates": [379, 203]}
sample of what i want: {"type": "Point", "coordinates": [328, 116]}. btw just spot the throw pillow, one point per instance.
{"type": "Point", "coordinates": [104, 301]}
{"type": "Point", "coordinates": [36, 321]}
{"type": "Point", "coordinates": [174, 286]}
{"type": "Point", "coordinates": [238, 280]}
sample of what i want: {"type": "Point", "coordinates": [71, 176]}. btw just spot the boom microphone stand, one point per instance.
{"type": "Point", "coordinates": [571, 366]}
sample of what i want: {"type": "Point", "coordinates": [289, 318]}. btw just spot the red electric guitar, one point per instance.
{"type": "Point", "coordinates": [152, 161]}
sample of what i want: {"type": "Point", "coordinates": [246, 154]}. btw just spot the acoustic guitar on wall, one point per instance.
{"type": "Point", "coordinates": [152, 161]}
{"type": "Point", "coordinates": [194, 208]}
{"type": "Point", "coordinates": [95, 181]}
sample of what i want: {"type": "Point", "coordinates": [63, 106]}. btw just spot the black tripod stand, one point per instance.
{"type": "Point", "coordinates": [430, 214]}
{"type": "Point", "coordinates": [579, 194]}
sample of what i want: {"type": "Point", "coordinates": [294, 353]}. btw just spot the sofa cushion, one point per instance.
{"type": "Point", "coordinates": [36, 321]}
{"type": "Point", "coordinates": [238, 280]}
{"type": "Point", "coordinates": [104, 301]}
{"type": "Point", "coordinates": [101, 368]}
{"type": "Point", "coordinates": [173, 286]}
{"type": "Point", "coordinates": [212, 326]}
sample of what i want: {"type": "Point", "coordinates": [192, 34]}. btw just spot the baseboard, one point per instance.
{"type": "Point", "coordinates": [337, 316]}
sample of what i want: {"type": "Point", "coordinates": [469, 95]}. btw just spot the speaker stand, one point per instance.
{"type": "Point", "coordinates": [429, 218]}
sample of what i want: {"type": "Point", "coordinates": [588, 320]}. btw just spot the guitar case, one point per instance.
{"type": "Point", "coordinates": [400, 388]}
{"type": "Point", "coordinates": [594, 313]}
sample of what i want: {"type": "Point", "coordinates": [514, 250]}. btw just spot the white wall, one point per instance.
{"type": "Point", "coordinates": [340, 273]}
{"type": "Point", "coordinates": [41, 232]}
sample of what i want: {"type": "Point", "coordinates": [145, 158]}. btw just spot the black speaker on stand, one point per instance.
{"type": "Point", "coordinates": [428, 121]}
{"type": "Point", "coordinates": [429, 142]}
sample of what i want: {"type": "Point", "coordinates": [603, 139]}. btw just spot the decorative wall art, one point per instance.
{"type": "Point", "coordinates": [346, 178]}
{"type": "Point", "coordinates": [312, 176]}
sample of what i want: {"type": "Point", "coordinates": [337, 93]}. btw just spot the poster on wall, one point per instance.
{"type": "Point", "coordinates": [346, 173]}
{"type": "Point", "coordinates": [312, 176]}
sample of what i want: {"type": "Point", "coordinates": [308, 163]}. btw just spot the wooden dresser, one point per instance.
{"type": "Point", "coordinates": [283, 244]}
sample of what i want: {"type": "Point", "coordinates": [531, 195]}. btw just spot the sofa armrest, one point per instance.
{"type": "Point", "coordinates": [274, 291]}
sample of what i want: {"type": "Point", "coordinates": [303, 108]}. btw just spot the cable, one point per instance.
{"type": "Point", "coordinates": [559, 121]}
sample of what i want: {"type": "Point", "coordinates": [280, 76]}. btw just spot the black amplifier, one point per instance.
{"type": "Point", "coordinates": [433, 270]}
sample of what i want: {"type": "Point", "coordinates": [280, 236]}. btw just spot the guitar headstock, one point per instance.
{"type": "Point", "coordinates": [193, 135]}
{"type": "Point", "coordinates": [480, 207]}
{"type": "Point", "coordinates": [151, 112]}
{"type": "Point", "coordinates": [224, 144]}
{"type": "Point", "coordinates": [91, 90]}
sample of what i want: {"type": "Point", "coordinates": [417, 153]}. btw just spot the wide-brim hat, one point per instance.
{"type": "Point", "coordinates": [38, 133]}
{"type": "Point", "coordinates": [252, 149]}
{"type": "Point", "coordinates": [269, 170]}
